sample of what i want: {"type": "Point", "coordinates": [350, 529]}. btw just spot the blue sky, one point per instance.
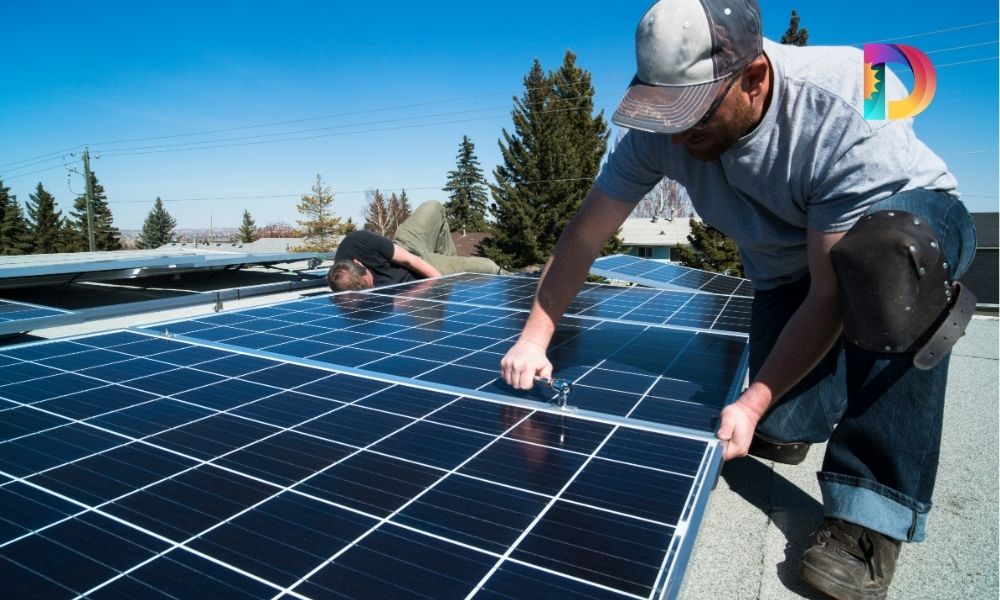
{"type": "Point", "coordinates": [186, 100]}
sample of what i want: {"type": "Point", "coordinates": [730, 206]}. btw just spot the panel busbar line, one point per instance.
{"type": "Point", "coordinates": [674, 307]}
{"type": "Point", "coordinates": [675, 377]}
{"type": "Point", "coordinates": [668, 275]}
{"type": "Point", "coordinates": [150, 467]}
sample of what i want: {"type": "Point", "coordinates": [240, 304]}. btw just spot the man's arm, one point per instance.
{"type": "Point", "coordinates": [804, 341]}
{"type": "Point", "coordinates": [404, 258]}
{"type": "Point", "coordinates": [581, 241]}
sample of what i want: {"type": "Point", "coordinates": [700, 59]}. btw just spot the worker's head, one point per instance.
{"type": "Point", "coordinates": [349, 274]}
{"type": "Point", "coordinates": [701, 74]}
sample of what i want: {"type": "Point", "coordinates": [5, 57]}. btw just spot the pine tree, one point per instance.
{"type": "Point", "coordinates": [158, 228]}
{"type": "Point", "coordinates": [793, 35]}
{"type": "Point", "coordinates": [320, 225]}
{"type": "Point", "coordinates": [466, 207]}
{"type": "Point", "coordinates": [248, 229]}
{"type": "Point", "coordinates": [14, 236]}
{"type": "Point", "coordinates": [710, 250]}
{"type": "Point", "coordinates": [348, 226]}
{"type": "Point", "coordinates": [395, 210]}
{"type": "Point", "coordinates": [378, 218]}
{"type": "Point", "coordinates": [45, 223]}
{"type": "Point", "coordinates": [405, 210]}
{"type": "Point", "coordinates": [106, 235]}
{"type": "Point", "coordinates": [550, 162]}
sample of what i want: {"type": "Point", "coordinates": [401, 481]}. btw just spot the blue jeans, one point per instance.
{"type": "Point", "coordinates": [881, 415]}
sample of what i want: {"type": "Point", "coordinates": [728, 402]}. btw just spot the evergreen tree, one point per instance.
{"type": "Point", "coordinates": [549, 163]}
{"type": "Point", "coordinates": [106, 235]}
{"type": "Point", "coordinates": [378, 218]}
{"type": "Point", "coordinates": [348, 226]}
{"type": "Point", "coordinates": [45, 223]}
{"type": "Point", "coordinates": [248, 229]}
{"type": "Point", "coordinates": [319, 223]}
{"type": "Point", "coordinates": [793, 35]}
{"type": "Point", "coordinates": [405, 210]}
{"type": "Point", "coordinates": [710, 250]}
{"type": "Point", "coordinates": [395, 210]}
{"type": "Point", "coordinates": [158, 228]}
{"type": "Point", "coordinates": [14, 236]}
{"type": "Point", "coordinates": [466, 207]}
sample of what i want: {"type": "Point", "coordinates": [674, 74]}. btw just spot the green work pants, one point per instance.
{"type": "Point", "coordinates": [426, 234]}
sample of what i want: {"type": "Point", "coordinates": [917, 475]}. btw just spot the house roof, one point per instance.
{"type": "Point", "coordinates": [642, 231]}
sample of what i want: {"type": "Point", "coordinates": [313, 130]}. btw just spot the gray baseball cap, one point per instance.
{"type": "Point", "coordinates": [686, 50]}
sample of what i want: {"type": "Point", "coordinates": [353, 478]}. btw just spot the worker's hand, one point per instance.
{"type": "Point", "coordinates": [522, 363]}
{"type": "Point", "coordinates": [737, 424]}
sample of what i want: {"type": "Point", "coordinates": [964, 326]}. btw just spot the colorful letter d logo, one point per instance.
{"type": "Point", "coordinates": [924, 82]}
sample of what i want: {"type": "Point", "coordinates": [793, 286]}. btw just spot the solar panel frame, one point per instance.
{"type": "Point", "coordinates": [172, 555]}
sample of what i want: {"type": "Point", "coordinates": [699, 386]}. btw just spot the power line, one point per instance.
{"type": "Point", "coordinates": [915, 35]}
{"type": "Point", "coordinates": [53, 155]}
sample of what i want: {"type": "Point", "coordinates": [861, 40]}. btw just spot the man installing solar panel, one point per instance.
{"type": "Point", "coordinates": [853, 235]}
{"type": "Point", "coordinates": [422, 248]}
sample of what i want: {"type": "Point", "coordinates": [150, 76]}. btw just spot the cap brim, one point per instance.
{"type": "Point", "coordinates": [664, 108]}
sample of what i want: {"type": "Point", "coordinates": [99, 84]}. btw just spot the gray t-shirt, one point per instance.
{"type": "Point", "coordinates": [813, 162]}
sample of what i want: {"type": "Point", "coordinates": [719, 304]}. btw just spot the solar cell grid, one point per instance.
{"type": "Point", "coordinates": [310, 482]}
{"type": "Point", "coordinates": [643, 305]}
{"type": "Point", "coordinates": [11, 311]}
{"type": "Point", "coordinates": [675, 377]}
{"type": "Point", "coordinates": [665, 275]}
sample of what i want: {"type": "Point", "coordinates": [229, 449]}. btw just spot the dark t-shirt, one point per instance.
{"type": "Point", "coordinates": [374, 252]}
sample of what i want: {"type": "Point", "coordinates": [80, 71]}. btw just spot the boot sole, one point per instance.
{"type": "Point", "coordinates": [833, 589]}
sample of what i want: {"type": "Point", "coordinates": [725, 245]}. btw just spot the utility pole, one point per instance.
{"type": "Point", "coordinates": [89, 196]}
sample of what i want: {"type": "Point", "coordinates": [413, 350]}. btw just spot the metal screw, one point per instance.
{"type": "Point", "coordinates": [888, 348]}
{"type": "Point", "coordinates": [916, 221]}
{"type": "Point", "coordinates": [923, 271]}
{"type": "Point", "coordinates": [945, 265]}
{"type": "Point", "coordinates": [892, 214]}
{"type": "Point", "coordinates": [913, 248]}
{"type": "Point", "coordinates": [933, 244]}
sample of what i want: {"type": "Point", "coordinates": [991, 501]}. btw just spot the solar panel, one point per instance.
{"type": "Point", "coordinates": [673, 377]}
{"type": "Point", "coordinates": [140, 466]}
{"type": "Point", "coordinates": [679, 308]}
{"type": "Point", "coordinates": [11, 312]}
{"type": "Point", "coordinates": [30, 269]}
{"type": "Point", "coordinates": [668, 275]}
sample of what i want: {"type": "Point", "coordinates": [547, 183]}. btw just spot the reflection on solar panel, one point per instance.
{"type": "Point", "coordinates": [668, 275]}
{"type": "Point", "coordinates": [12, 312]}
{"type": "Point", "coordinates": [675, 377]}
{"type": "Point", "coordinates": [642, 305]}
{"type": "Point", "coordinates": [139, 466]}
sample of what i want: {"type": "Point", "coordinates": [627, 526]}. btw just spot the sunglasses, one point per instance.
{"type": "Point", "coordinates": [717, 102]}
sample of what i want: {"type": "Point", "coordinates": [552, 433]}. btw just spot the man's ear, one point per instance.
{"type": "Point", "coordinates": [755, 77]}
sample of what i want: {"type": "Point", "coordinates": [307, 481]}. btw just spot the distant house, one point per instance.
{"type": "Point", "coordinates": [982, 276]}
{"type": "Point", "coordinates": [648, 239]}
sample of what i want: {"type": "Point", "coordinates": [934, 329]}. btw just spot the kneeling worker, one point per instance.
{"type": "Point", "coordinates": [423, 248]}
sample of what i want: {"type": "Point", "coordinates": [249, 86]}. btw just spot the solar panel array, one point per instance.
{"type": "Point", "coordinates": [660, 274]}
{"type": "Point", "coordinates": [361, 445]}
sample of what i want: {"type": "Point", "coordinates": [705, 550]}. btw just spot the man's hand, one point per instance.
{"type": "Point", "coordinates": [522, 363]}
{"type": "Point", "coordinates": [737, 424]}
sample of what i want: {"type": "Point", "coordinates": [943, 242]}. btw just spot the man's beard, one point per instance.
{"type": "Point", "coordinates": [740, 123]}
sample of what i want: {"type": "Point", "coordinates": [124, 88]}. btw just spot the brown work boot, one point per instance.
{"type": "Point", "coordinates": [849, 561]}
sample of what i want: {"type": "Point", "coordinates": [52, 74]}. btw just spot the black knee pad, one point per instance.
{"type": "Point", "coordinates": [895, 289]}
